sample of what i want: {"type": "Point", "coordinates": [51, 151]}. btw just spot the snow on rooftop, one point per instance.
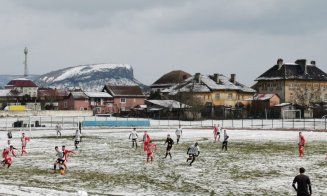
{"type": "Point", "coordinates": [168, 103]}
{"type": "Point", "coordinates": [282, 104]}
{"type": "Point", "coordinates": [207, 85]}
{"type": "Point", "coordinates": [98, 94]}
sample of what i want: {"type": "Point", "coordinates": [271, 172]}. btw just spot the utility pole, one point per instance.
{"type": "Point", "coordinates": [25, 62]}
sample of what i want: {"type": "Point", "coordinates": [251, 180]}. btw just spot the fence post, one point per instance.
{"type": "Point", "coordinates": [325, 123]}
{"type": "Point", "coordinates": [262, 123]}
{"type": "Point", "coordinates": [62, 121]}
{"type": "Point", "coordinates": [303, 123]}
{"type": "Point", "coordinates": [282, 123]}
{"type": "Point", "coordinates": [242, 123]}
{"type": "Point", "coordinates": [222, 123]}
{"type": "Point", "coordinates": [40, 121]}
{"type": "Point", "coordinates": [314, 123]}
{"type": "Point", "coordinates": [272, 123]}
{"type": "Point", "coordinates": [293, 123]}
{"type": "Point", "coordinates": [232, 123]}
{"type": "Point", "coordinates": [251, 122]}
{"type": "Point", "coordinates": [51, 121]}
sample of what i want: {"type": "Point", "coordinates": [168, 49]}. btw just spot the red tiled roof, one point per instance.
{"type": "Point", "coordinates": [124, 90]}
{"type": "Point", "coordinates": [21, 83]}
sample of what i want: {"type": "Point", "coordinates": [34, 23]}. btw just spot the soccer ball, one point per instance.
{"type": "Point", "coordinates": [62, 172]}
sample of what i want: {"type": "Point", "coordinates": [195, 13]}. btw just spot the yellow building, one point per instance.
{"type": "Point", "coordinates": [297, 83]}
{"type": "Point", "coordinates": [215, 90]}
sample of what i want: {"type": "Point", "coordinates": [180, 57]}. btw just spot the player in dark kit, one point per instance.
{"type": "Point", "coordinates": [193, 151]}
{"type": "Point", "coordinates": [60, 159]}
{"type": "Point", "coordinates": [225, 142]}
{"type": "Point", "coordinates": [303, 184]}
{"type": "Point", "coordinates": [169, 143]}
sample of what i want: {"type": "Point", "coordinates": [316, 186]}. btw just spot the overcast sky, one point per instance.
{"type": "Point", "coordinates": [155, 37]}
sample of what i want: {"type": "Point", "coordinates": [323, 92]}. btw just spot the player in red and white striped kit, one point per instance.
{"type": "Point", "coordinates": [301, 145]}
{"type": "Point", "coordinates": [6, 156]}
{"type": "Point", "coordinates": [66, 153]}
{"type": "Point", "coordinates": [216, 132]}
{"type": "Point", "coordinates": [150, 151]}
{"type": "Point", "coordinates": [146, 140]}
{"type": "Point", "coordinates": [24, 141]}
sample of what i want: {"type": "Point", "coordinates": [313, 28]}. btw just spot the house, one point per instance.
{"type": "Point", "coordinates": [169, 79]}
{"type": "Point", "coordinates": [23, 86]}
{"type": "Point", "coordinates": [99, 102]}
{"type": "Point", "coordinates": [6, 98]}
{"type": "Point", "coordinates": [75, 101]}
{"type": "Point", "coordinates": [216, 92]}
{"type": "Point", "coordinates": [165, 108]}
{"type": "Point", "coordinates": [125, 97]}
{"type": "Point", "coordinates": [262, 104]}
{"type": "Point", "coordinates": [297, 83]}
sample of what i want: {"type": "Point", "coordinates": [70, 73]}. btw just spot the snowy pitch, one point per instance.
{"type": "Point", "coordinates": [257, 162]}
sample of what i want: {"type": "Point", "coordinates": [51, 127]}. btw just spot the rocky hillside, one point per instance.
{"type": "Point", "coordinates": [90, 77]}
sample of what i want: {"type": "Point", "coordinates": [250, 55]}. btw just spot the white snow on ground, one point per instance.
{"type": "Point", "coordinates": [106, 164]}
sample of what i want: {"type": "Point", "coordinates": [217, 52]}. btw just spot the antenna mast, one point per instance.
{"type": "Point", "coordinates": [25, 62]}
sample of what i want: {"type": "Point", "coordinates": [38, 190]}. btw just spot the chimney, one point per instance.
{"type": "Point", "coordinates": [216, 78]}
{"type": "Point", "coordinates": [280, 63]}
{"type": "Point", "coordinates": [233, 78]}
{"type": "Point", "coordinates": [197, 77]}
{"type": "Point", "coordinates": [303, 64]}
{"type": "Point", "coordinates": [313, 63]}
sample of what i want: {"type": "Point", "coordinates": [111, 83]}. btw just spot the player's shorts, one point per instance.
{"type": "Point", "coordinates": [60, 161]}
{"type": "Point", "coordinates": [8, 160]}
{"type": "Point", "coordinates": [169, 148]}
{"type": "Point", "coordinates": [76, 142]}
{"type": "Point", "coordinates": [149, 154]}
{"type": "Point", "coordinates": [134, 140]}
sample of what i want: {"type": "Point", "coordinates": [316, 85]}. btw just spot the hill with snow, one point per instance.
{"type": "Point", "coordinates": [91, 77]}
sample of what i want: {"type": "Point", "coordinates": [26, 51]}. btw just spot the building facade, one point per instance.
{"type": "Point", "coordinates": [297, 83]}
{"type": "Point", "coordinates": [23, 86]}
{"type": "Point", "coordinates": [125, 97]}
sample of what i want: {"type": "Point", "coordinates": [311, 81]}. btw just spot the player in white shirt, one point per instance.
{"type": "Point", "coordinates": [134, 137]}
{"type": "Point", "coordinates": [77, 139]}
{"type": "Point", "coordinates": [193, 151]}
{"type": "Point", "coordinates": [179, 132]}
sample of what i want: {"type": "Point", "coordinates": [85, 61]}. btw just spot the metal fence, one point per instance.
{"type": "Point", "coordinates": [49, 122]}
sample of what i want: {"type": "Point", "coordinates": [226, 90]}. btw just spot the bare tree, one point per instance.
{"type": "Point", "coordinates": [306, 96]}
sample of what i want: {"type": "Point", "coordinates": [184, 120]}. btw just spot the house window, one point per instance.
{"type": "Point", "coordinates": [65, 104]}
{"type": "Point", "coordinates": [230, 96]}
{"type": "Point", "coordinates": [217, 96]}
{"type": "Point", "coordinates": [122, 100]}
{"type": "Point", "coordinates": [98, 110]}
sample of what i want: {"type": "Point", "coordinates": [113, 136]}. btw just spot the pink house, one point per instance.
{"type": "Point", "coordinates": [99, 102]}
{"type": "Point", "coordinates": [75, 101]}
{"type": "Point", "coordinates": [125, 97]}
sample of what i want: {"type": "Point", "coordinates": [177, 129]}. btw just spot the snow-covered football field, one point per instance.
{"type": "Point", "coordinates": [258, 162]}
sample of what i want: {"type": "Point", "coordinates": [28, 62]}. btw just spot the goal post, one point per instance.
{"type": "Point", "coordinates": [291, 114]}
